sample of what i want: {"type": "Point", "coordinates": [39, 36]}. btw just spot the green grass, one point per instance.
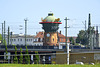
{"type": "Point", "coordinates": [51, 65]}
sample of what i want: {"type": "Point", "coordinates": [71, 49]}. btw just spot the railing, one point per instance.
{"type": "Point", "coordinates": [46, 47]}
{"type": "Point", "coordinates": [29, 47]}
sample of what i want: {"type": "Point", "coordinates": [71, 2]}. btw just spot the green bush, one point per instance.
{"type": "Point", "coordinates": [37, 57]}
{"type": "Point", "coordinates": [21, 56]}
{"type": "Point", "coordinates": [27, 57]}
{"type": "Point", "coordinates": [15, 57]}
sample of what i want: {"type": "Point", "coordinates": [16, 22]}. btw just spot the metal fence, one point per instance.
{"type": "Point", "coordinates": [29, 47]}
{"type": "Point", "coordinates": [55, 58]}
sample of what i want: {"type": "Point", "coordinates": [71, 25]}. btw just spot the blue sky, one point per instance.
{"type": "Point", "coordinates": [15, 11]}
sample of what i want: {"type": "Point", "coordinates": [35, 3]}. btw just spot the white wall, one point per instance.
{"type": "Point", "coordinates": [21, 40]}
{"type": "Point", "coordinates": [36, 43]}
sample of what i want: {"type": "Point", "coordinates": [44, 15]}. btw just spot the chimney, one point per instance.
{"type": "Point", "coordinates": [36, 32]}
{"type": "Point", "coordinates": [96, 29]}
{"type": "Point", "coordinates": [60, 32]}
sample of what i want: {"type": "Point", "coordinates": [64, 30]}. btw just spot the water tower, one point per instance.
{"type": "Point", "coordinates": [50, 25]}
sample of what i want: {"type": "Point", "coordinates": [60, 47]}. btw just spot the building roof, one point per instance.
{"type": "Point", "coordinates": [23, 36]}
{"type": "Point", "coordinates": [41, 35]}
{"type": "Point", "coordinates": [61, 35]}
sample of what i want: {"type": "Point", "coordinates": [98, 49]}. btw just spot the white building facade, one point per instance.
{"type": "Point", "coordinates": [20, 40]}
{"type": "Point", "coordinates": [38, 41]}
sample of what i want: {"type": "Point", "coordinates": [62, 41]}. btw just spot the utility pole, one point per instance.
{"type": "Point", "coordinates": [97, 37]}
{"type": "Point", "coordinates": [90, 34]}
{"type": "Point", "coordinates": [67, 45]}
{"type": "Point", "coordinates": [25, 30]}
{"type": "Point", "coordinates": [11, 37]}
{"type": "Point", "coordinates": [2, 34]}
{"type": "Point", "coordinates": [89, 25]}
{"type": "Point", "coordinates": [8, 35]}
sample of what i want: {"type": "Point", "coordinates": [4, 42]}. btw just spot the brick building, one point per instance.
{"type": "Point", "coordinates": [38, 39]}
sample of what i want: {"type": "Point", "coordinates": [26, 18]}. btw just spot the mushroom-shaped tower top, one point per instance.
{"type": "Point", "coordinates": [50, 18]}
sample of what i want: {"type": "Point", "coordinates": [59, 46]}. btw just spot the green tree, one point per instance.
{"type": "Point", "coordinates": [27, 57]}
{"type": "Point", "coordinates": [21, 56]}
{"type": "Point", "coordinates": [37, 57]}
{"type": "Point", "coordinates": [5, 46]}
{"type": "Point", "coordinates": [3, 40]}
{"type": "Point", "coordinates": [15, 57]}
{"type": "Point", "coordinates": [72, 40]}
{"type": "Point", "coordinates": [82, 38]}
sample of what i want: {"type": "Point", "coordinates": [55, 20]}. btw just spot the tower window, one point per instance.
{"type": "Point", "coordinates": [53, 39]}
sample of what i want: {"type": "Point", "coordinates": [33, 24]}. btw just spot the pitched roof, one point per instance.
{"type": "Point", "coordinates": [23, 36]}
{"type": "Point", "coordinates": [39, 35]}
{"type": "Point", "coordinates": [61, 35]}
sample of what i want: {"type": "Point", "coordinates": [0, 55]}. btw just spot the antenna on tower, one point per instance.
{"type": "Point", "coordinates": [50, 11]}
